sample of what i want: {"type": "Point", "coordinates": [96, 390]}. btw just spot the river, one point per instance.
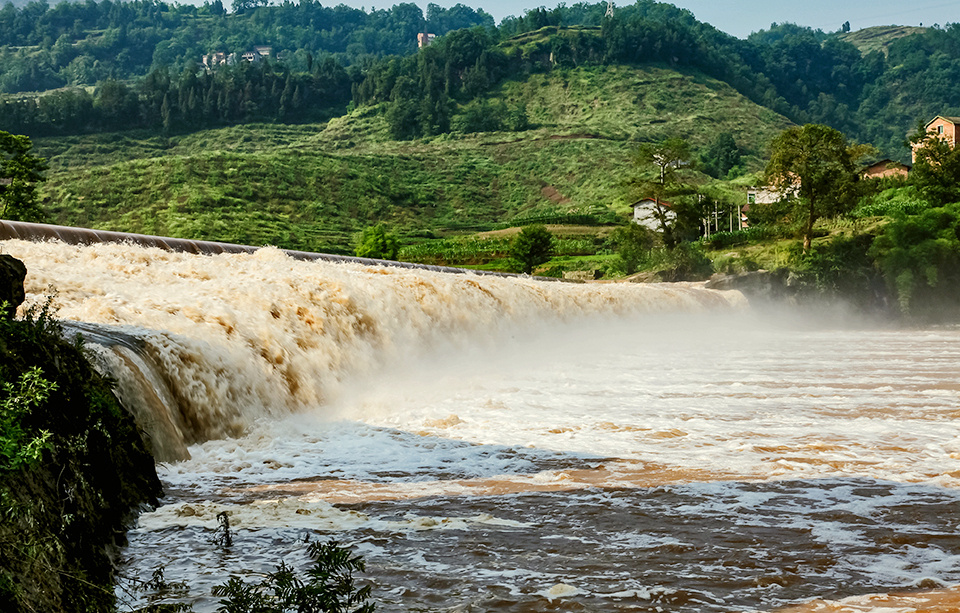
{"type": "Point", "coordinates": [503, 444]}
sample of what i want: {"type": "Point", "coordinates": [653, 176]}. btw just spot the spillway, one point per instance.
{"type": "Point", "coordinates": [504, 444]}
{"type": "Point", "coordinates": [225, 338]}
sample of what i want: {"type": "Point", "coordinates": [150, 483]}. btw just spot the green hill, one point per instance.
{"type": "Point", "coordinates": [313, 186]}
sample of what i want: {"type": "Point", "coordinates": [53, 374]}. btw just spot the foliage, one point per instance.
{"type": "Point", "coordinates": [456, 252]}
{"type": "Point", "coordinates": [532, 247]}
{"type": "Point", "coordinates": [666, 158]}
{"type": "Point", "coordinates": [685, 262]}
{"type": "Point", "coordinates": [46, 47]}
{"type": "Point", "coordinates": [20, 172]}
{"type": "Point", "coordinates": [59, 516]}
{"type": "Point", "coordinates": [814, 167]}
{"type": "Point", "coordinates": [721, 240]}
{"type": "Point", "coordinates": [328, 587]}
{"type": "Point", "coordinates": [936, 171]}
{"type": "Point", "coordinates": [573, 219]}
{"type": "Point", "coordinates": [17, 448]}
{"type": "Point", "coordinates": [805, 74]}
{"type": "Point", "coordinates": [633, 243]}
{"type": "Point", "coordinates": [377, 243]}
{"type": "Point", "coordinates": [187, 101]}
{"type": "Point", "coordinates": [842, 267]}
{"type": "Point", "coordinates": [722, 156]}
{"type": "Point", "coordinates": [893, 202]}
{"type": "Point", "coordinates": [919, 253]}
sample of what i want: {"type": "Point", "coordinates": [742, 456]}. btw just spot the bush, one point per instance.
{"type": "Point", "coordinates": [571, 219]}
{"type": "Point", "coordinates": [17, 448]}
{"type": "Point", "coordinates": [375, 242]}
{"type": "Point", "coordinates": [685, 262]}
{"type": "Point", "coordinates": [633, 243]}
{"type": "Point", "coordinates": [919, 256]}
{"type": "Point", "coordinates": [891, 203]}
{"type": "Point", "coordinates": [532, 246]}
{"type": "Point", "coordinates": [722, 240]}
{"type": "Point", "coordinates": [842, 268]}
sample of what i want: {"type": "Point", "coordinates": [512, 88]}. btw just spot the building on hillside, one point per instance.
{"type": "Point", "coordinates": [424, 39]}
{"type": "Point", "coordinates": [944, 128]}
{"type": "Point", "coordinates": [213, 60]}
{"type": "Point", "coordinates": [885, 168]}
{"type": "Point", "coordinates": [649, 211]}
{"type": "Point", "coordinates": [763, 195]}
{"type": "Point", "coordinates": [259, 53]}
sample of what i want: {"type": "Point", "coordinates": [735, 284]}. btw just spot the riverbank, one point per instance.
{"type": "Point", "coordinates": [74, 470]}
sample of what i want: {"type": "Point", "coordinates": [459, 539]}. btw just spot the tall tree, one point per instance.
{"type": "Point", "coordinates": [721, 156]}
{"type": "Point", "coordinates": [815, 168]}
{"type": "Point", "coordinates": [20, 172]}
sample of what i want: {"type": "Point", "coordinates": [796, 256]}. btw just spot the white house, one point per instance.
{"type": "Point", "coordinates": [763, 195]}
{"type": "Point", "coordinates": [649, 211]}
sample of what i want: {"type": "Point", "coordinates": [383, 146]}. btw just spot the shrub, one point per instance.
{"type": "Point", "coordinates": [919, 256]}
{"type": "Point", "coordinates": [891, 203]}
{"type": "Point", "coordinates": [375, 242]}
{"type": "Point", "coordinates": [722, 240]}
{"type": "Point", "coordinates": [17, 448]}
{"type": "Point", "coordinates": [531, 247]}
{"type": "Point", "coordinates": [632, 243]}
{"type": "Point", "coordinates": [685, 262]}
{"type": "Point", "coordinates": [328, 587]}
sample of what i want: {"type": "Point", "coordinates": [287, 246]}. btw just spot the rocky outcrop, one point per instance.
{"type": "Point", "coordinates": [785, 286]}
{"type": "Point", "coordinates": [12, 274]}
{"type": "Point", "coordinates": [768, 284]}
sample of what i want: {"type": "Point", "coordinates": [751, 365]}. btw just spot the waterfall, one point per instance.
{"type": "Point", "coordinates": [205, 344]}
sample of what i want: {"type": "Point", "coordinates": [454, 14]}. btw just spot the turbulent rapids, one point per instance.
{"type": "Point", "coordinates": [503, 444]}
{"type": "Point", "coordinates": [210, 343]}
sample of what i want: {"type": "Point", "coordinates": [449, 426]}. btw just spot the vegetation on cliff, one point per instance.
{"type": "Point", "coordinates": [73, 471]}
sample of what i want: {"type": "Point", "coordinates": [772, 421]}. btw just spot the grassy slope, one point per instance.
{"type": "Point", "coordinates": [312, 186]}
{"type": "Point", "coordinates": [878, 38]}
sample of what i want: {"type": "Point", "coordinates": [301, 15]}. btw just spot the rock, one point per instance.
{"type": "Point", "coordinates": [777, 284]}
{"type": "Point", "coordinates": [579, 275]}
{"type": "Point", "coordinates": [12, 274]}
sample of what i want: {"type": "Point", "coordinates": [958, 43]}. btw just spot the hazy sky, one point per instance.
{"type": "Point", "coordinates": [746, 16]}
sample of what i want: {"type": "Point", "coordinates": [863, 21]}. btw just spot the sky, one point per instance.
{"type": "Point", "coordinates": [742, 17]}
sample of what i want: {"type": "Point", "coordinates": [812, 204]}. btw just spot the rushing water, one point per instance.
{"type": "Point", "coordinates": [499, 444]}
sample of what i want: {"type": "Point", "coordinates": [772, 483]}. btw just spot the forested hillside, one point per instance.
{"type": "Point", "coordinates": [314, 186]}
{"type": "Point", "coordinates": [122, 65]}
{"type": "Point", "coordinates": [84, 43]}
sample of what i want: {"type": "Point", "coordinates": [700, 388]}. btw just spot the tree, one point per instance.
{"type": "Point", "coordinates": [721, 156]}
{"type": "Point", "coordinates": [242, 6]}
{"type": "Point", "coordinates": [666, 158]}
{"type": "Point", "coordinates": [816, 169]}
{"type": "Point", "coordinates": [936, 170]}
{"type": "Point", "coordinates": [375, 242]}
{"type": "Point", "coordinates": [20, 172]}
{"type": "Point", "coordinates": [531, 247]}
